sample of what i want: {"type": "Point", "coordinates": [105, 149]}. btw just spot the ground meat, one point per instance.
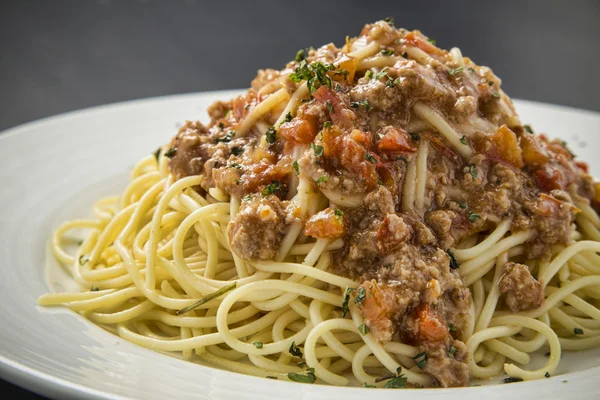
{"type": "Point", "coordinates": [521, 291]}
{"type": "Point", "coordinates": [441, 223]}
{"type": "Point", "coordinates": [446, 362]}
{"type": "Point", "coordinates": [259, 227]}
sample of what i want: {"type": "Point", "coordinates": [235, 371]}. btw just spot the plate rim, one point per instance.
{"type": "Point", "coordinates": [54, 386]}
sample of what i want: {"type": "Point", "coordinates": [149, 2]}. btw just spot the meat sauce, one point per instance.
{"type": "Point", "coordinates": [357, 133]}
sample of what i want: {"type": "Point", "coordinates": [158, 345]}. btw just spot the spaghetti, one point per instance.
{"type": "Point", "coordinates": [373, 215]}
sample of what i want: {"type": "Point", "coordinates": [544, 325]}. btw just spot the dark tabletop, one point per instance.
{"type": "Point", "coordinates": [64, 55]}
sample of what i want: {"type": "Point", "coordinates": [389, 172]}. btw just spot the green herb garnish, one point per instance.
{"type": "Point", "coordinates": [363, 103]}
{"type": "Point", "coordinates": [236, 151]}
{"type": "Point", "coordinates": [271, 188]}
{"type": "Point", "coordinates": [322, 179]}
{"type": "Point", "coordinates": [318, 150]}
{"type": "Point", "coordinates": [171, 152]}
{"type": "Point", "coordinates": [421, 359]}
{"type": "Point", "coordinates": [227, 138]}
{"type": "Point", "coordinates": [528, 128]}
{"type": "Point", "coordinates": [387, 52]}
{"type": "Point", "coordinates": [363, 329]}
{"type": "Point", "coordinates": [473, 216]}
{"type": "Point", "coordinates": [578, 331]}
{"type": "Point", "coordinates": [94, 288]}
{"type": "Point", "coordinates": [296, 167]}
{"type": "Point", "coordinates": [510, 379]}
{"type": "Point", "coordinates": [361, 295]}
{"type": "Point", "coordinates": [327, 124]}
{"type": "Point", "coordinates": [452, 351]}
{"type": "Point", "coordinates": [463, 140]}
{"type": "Point", "coordinates": [455, 71]}
{"type": "Point", "coordinates": [258, 345]}
{"type": "Point", "coordinates": [271, 135]}
{"type": "Point", "coordinates": [454, 264]}
{"type": "Point", "coordinates": [207, 298]}
{"type": "Point", "coordinates": [345, 300]}
{"type": "Point", "coordinates": [371, 158]}
{"type": "Point", "coordinates": [308, 378]}
{"type": "Point", "coordinates": [473, 171]}
{"type": "Point", "coordinates": [295, 350]}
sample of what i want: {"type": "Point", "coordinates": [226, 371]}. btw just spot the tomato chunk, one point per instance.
{"type": "Point", "coordinates": [298, 130]}
{"type": "Point", "coordinates": [396, 140]}
{"type": "Point", "coordinates": [378, 309]}
{"type": "Point", "coordinates": [507, 146]}
{"type": "Point", "coordinates": [326, 224]}
{"type": "Point", "coordinates": [431, 327]}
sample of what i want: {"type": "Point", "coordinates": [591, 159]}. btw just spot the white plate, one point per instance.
{"type": "Point", "coordinates": [55, 168]}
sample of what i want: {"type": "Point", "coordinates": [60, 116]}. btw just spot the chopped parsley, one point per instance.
{"type": "Point", "coordinates": [327, 124]}
{"type": "Point", "coordinates": [463, 140]}
{"type": "Point", "coordinates": [338, 213]}
{"type": "Point", "coordinates": [578, 331]}
{"type": "Point", "coordinates": [366, 385]}
{"type": "Point", "coordinates": [473, 216]}
{"type": "Point", "coordinates": [236, 151]}
{"type": "Point", "coordinates": [455, 71]}
{"type": "Point", "coordinates": [462, 204]}
{"type": "Point", "coordinates": [387, 52]}
{"type": "Point", "coordinates": [361, 295]}
{"type": "Point", "coordinates": [329, 106]}
{"type": "Point", "coordinates": [295, 350]}
{"type": "Point", "coordinates": [473, 171]}
{"type": "Point", "coordinates": [157, 154]}
{"type": "Point", "coordinates": [221, 126]}
{"type": "Point", "coordinates": [227, 138]}
{"type": "Point", "coordinates": [296, 167]}
{"type": "Point", "coordinates": [490, 83]}
{"type": "Point", "coordinates": [171, 152]}
{"type": "Point", "coordinates": [94, 288]}
{"type": "Point", "coordinates": [361, 103]}
{"type": "Point", "coordinates": [207, 298]}
{"type": "Point", "coordinates": [342, 72]}
{"type": "Point", "coordinates": [82, 259]}
{"type": "Point", "coordinates": [308, 378]}
{"type": "Point", "coordinates": [234, 165]}
{"type": "Point", "coordinates": [384, 74]}
{"type": "Point", "coordinates": [432, 41]}
{"type": "Point", "coordinates": [315, 74]}
{"type": "Point", "coordinates": [258, 345]}
{"type": "Point", "coordinates": [300, 55]}
{"type": "Point", "coordinates": [270, 377]}
{"type": "Point", "coordinates": [369, 74]}
{"type": "Point", "coordinates": [271, 135]}
{"type": "Point", "coordinates": [451, 328]}
{"type": "Point", "coordinates": [510, 379]}
{"type": "Point", "coordinates": [363, 329]}
{"type": "Point", "coordinates": [454, 264]}
{"type": "Point", "coordinates": [318, 150]}
{"type": "Point", "coordinates": [398, 382]}
{"type": "Point", "coordinates": [371, 158]}
{"type": "Point", "coordinates": [496, 95]}
{"type": "Point", "coordinates": [421, 359]}
{"type": "Point", "coordinates": [389, 20]}
{"type": "Point", "coordinates": [301, 364]}
{"type": "Point", "coordinates": [288, 117]}
{"type": "Point", "coordinates": [405, 55]}
{"type": "Point", "coordinates": [452, 351]}
{"type": "Point", "coordinates": [528, 128]}
{"type": "Point", "coordinates": [414, 136]}
{"type": "Point", "coordinates": [271, 188]}
{"type": "Point", "coordinates": [322, 179]}
{"type": "Point", "coordinates": [547, 374]}
{"type": "Point", "coordinates": [345, 300]}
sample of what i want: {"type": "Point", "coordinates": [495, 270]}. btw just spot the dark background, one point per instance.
{"type": "Point", "coordinates": [58, 56]}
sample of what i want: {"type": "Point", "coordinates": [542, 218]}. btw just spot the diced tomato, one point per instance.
{"type": "Point", "coordinates": [583, 166]}
{"type": "Point", "coordinates": [533, 151]}
{"type": "Point", "coordinates": [431, 328]}
{"type": "Point", "coordinates": [414, 39]}
{"type": "Point", "coordinates": [348, 64]}
{"type": "Point", "coordinates": [325, 225]}
{"type": "Point", "coordinates": [550, 178]}
{"type": "Point", "coordinates": [507, 146]}
{"type": "Point", "coordinates": [298, 130]}
{"type": "Point", "coordinates": [378, 308]}
{"type": "Point", "coordinates": [396, 140]}
{"type": "Point", "coordinates": [559, 148]}
{"type": "Point", "coordinates": [392, 232]}
{"type": "Point", "coordinates": [352, 157]}
{"type": "Point", "coordinates": [340, 114]}
{"type": "Point", "coordinates": [548, 205]}
{"type": "Point", "coordinates": [240, 105]}
{"type": "Point", "coordinates": [361, 137]}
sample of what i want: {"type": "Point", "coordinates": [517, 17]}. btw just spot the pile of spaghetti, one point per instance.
{"type": "Point", "coordinates": [374, 214]}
